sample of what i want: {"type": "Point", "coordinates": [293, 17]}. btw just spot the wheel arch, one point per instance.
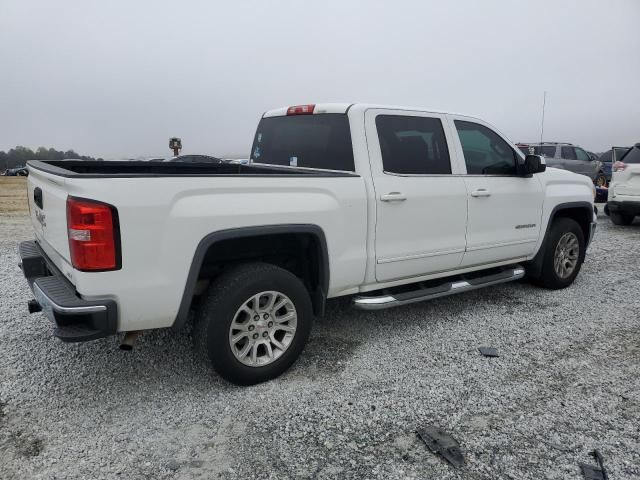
{"type": "Point", "coordinates": [581, 212]}
{"type": "Point", "coordinates": [254, 243]}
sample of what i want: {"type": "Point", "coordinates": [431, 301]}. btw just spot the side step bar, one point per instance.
{"type": "Point", "coordinates": [459, 285]}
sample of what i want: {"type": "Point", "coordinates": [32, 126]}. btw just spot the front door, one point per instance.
{"type": "Point", "coordinates": [421, 207]}
{"type": "Point", "coordinates": [504, 208]}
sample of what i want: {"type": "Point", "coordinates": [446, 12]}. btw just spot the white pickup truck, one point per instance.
{"type": "Point", "coordinates": [388, 205]}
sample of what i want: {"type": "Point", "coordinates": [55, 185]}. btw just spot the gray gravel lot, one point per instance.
{"type": "Point", "coordinates": [567, 380]}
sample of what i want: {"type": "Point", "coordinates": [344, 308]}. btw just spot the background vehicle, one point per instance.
{"type": "Point", "coordinates": [16, 172]}
{"type": "Point", "coordinates": [568, 157]}
{"type": "Point", "coordinates": [623, 203]}
{"type": "Point", "coordinates": [390, 205]}
{"type": "Point", "coordinates": [607, 159]}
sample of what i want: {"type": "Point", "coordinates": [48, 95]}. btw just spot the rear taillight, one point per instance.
{"type": "Point", "coordinates": [301, 109]}
{"type": "Point", "coordinates": [619, 166]}
{"type": "Point", "coordinates": [94, 235]}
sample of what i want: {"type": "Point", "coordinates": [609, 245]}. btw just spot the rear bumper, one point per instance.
{"type": "Point", "coordinates": [626, 208]}
{"type": "Point", "coordinates": [76, 319]}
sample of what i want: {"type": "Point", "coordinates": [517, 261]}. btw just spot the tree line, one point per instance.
{"type": "Point", "coordinates": [18, 156]}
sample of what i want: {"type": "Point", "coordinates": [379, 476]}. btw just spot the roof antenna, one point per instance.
{"type": "Point", "coordinates": [544, 102]}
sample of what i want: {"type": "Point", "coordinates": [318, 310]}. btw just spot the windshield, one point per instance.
{"type": "Point", "coordinates": [313, 141]}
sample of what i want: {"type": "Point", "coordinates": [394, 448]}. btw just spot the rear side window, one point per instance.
{"type": "Point", "coordinates": [547, 151]}
{"type": "Point", "coordinates": [632, 156]}
{"type": "Point", "coordinates": [312, 141]}
{"type": "Point", "coordinates": [544, 150]}
{"type": "Point", "coordinates": [413, 145]}
{"type": "Point", "coordinates": [485, 152]}
{"type": "Point", "coordinates": [582, 155]}
{"type": "Point", "coordinates": [569, 153]}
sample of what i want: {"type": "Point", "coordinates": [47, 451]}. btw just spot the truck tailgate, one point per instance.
{"type": "Point", "coordinates": [47, 196]}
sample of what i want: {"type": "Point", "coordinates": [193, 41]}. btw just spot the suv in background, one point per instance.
{"type": "Point", "coordinates": [568, 157]}
{"type": "Point", "coordinates": [610, 156]}
{"type": "Point", "coordinates": [624, 191]}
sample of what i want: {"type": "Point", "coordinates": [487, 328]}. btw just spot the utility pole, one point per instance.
{"type": "Point", "coordinates": [544, 102]}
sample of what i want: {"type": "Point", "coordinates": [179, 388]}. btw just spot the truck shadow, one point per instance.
{"type": "Point", "coordinates": [164, 362]}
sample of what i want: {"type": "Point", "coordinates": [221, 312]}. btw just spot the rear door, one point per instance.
{"type": "Point", "coordinates": [570, 159]}
{"type": "Point", "coordinates": [421, 206]}
{"type": "Point", "coordinates": [504, 209]}
{"type": "Point", "coordinates": [584, 163]}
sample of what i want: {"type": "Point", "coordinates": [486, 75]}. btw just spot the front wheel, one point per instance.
{"type": "Point", "coordinates": [254, 322]}
{"type": "Point", "coordinates": [563, 255]}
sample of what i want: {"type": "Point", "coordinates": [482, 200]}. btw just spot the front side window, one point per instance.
{"type": "Point", "coordinates": [413, 145]}
{"type": "Point", "coordinates": [485, 152]}
{"type": "Point", "coordinates": [313, 141]}
{"type": "Point", "coordinates": [582, 155]}
{"type": "Point", "coordinates": [569, 153]}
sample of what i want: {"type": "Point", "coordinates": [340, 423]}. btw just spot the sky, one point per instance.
{"type": "Point", "coordinates": [117, 79]}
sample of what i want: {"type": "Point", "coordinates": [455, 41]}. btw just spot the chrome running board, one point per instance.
{"type": "Point", "coordinates": [448, 287]}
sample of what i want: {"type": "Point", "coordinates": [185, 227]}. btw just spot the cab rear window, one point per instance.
{"type": "Point", "coordinates": [313, 141]}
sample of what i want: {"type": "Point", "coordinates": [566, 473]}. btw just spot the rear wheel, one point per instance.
{"type": "Point", "coordinates": [563, 254]}
{"type": "Point", "coordinates": [601, 180]}
{"type": "Point", "coordinates": [254, 322]}
{"type": "Point", "coordinates": [621, 218]}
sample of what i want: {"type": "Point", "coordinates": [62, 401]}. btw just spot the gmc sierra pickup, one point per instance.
{"type": "Point", "coordinates": [389, 205]}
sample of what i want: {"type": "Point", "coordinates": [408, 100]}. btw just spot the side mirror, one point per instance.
{"type": "Point", "coordinates": [534, 164]}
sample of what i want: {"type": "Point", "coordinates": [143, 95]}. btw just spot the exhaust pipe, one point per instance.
{"type": "Point", "coordinates": [129, 339]}
{"type": "Point", "coordinates": [33, 306]}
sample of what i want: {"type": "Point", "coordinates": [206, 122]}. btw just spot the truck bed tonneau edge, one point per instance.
{"type": "Point", "coordinates": [107, 169]}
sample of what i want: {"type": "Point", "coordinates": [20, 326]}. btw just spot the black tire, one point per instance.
{"type": "Point", "coordinates": [600, 180]}
{"type": "Point", "coordinates": [548, 277]}
{"type": "Point", "coordinates": [219, 306]}
{"type": "Point", "coordinates": [620, 218]}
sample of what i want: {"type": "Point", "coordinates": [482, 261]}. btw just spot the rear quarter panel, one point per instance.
{"type": "Point", "coordinates": [162, 220]}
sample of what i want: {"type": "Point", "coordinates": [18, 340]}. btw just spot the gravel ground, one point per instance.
{"type": "Point", "coordinates": [567, 381]}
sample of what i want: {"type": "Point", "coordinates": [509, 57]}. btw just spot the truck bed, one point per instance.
{"type": "Point", "coordinates": [98, 169]}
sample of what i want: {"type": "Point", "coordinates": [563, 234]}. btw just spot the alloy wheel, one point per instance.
{"type": "Point", "coordinates": [565, 258]}
{"type": "Point", "coordinates": [263, 328]}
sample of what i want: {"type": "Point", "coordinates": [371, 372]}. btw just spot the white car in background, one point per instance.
{"type": "Point", "coordinates": [623, 203]}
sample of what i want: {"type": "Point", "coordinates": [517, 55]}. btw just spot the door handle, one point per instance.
{"type": "Point", "coordinates": [481, 192]}
{"type": "Point", "coordinates": [393, 197]}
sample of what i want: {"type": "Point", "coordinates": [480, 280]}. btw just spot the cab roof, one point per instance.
{"type": "Point", "coordinates": [318, 108]}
